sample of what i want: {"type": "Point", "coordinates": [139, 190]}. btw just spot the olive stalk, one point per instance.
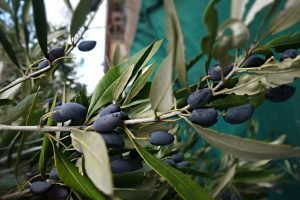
{"type": "Point", "coordinates": [69, 128]}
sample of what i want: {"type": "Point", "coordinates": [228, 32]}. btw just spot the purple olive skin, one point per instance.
{"type": "Point", "coordinates": [182, 164]}
{"type": "Point", "coordinates": [74, 111]}
{"type": "Point", "coordinates": [280, 94]}
{"type": "Point", "coordinates": [254, 61]}
{"type": "Point", "coordinates": [199, 98]}
{"type": "Point", "coordinates": [170, 162]}
{"type": "Point", "coordinates": [113, 140]}
{"type": "Point", "coordinates": [120, 166]}
{"type": "Point", "coordinates": [56, 53]}
{"type": "Point", "coordinates": [108, 123]}
{"type": "Point", "coordinates": [161, 138]}
{"type": "Point", "coordinates": [290, 53]}
{"type": "Point", "coordinates": [177, 157]}
{"type": "Point", "coordinates": [43, 64]}
{"type": "Point", "coordinates": [239, 114]}
{"type": "Point", "coordinates": [53, 174]}
{"type": "Point", "coordinates": [39, 187]}
{"type": "Point", "coordinates": [205, 117]}
{"type": "Point", "coordinates": [58, 192]}
{"type": "Point", "coordinates": [115, 157]}
{"type": "Point", "coordinates": [56, 116]}
{"type": "Point", "coordinates": [112, 108]}
{"type": "Point", "coordinates": [216, 72]}
{"type": "Point", "coordinates": [87, 45]}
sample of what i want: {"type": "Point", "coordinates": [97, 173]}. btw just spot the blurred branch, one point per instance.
{"type": "Point", "coordinates": [15, 194]}
{"type": "Point", "coordinates": [41, 71]}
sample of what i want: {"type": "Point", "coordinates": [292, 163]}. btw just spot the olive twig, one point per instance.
{"type": "Point", "coordinates": [15, 195]}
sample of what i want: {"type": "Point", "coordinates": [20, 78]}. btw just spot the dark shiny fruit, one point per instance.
{"type": "Point", "coordinates": [135, 165]}
{"type": "Point", "coordinates": [87, 45]}
{"type": "Point", "coordinates": [199, 98]}
{"type": "Point", "coordinates": [281, 93]}
{"type": "Point", "coordinates": [113, 140]}
{"type": "Point", "coordinates": [177, 157]}
{"type": "Point", "coordinates": [239, 114]}
{"type": "Point", "coordinates": [53, 174]}
{"type": "Point", "coordinates": [290, 53]}
{"type": "Point", "coordinates": [43, 64]}
{"type": "Point", "coordinates": [56, 116]}
{"type": "Point", "coordinates": [204, 117]}
{"type": "Point", "coordinates": [58, 192]}
{"type": "Point", "coordinates": [108, 122]}
{"type": "Point", "coordinates": [161, 138]}
{"type": "Point", "coordinates": [216, 72]}
{"type": "Point", "coordinates": [170, 162]}
{"type": "Point", "coordinates": [124, 115]}
{"type": "Point", "coordinates": [254, 61]}
{"type": "Point", "coordinates": [95, 4]}
{"type": "Point", "coordinates": [135, 155]}
{"type": "Point", "coordinates": [56, 53]}
{"type": "Point", "coordinates": [120, 166]}
{"type": "Point", "coordinates": [39, 187]}
{"type": "Point", "coordinates": [112, 108]}
{"type": "Point", "coordinates": [182, 164]}
{"type": "Point", "coordinates": [74, 111]}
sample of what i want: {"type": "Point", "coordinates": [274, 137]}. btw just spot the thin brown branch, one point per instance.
{"type": "Point", "coordinates": [15, 195]}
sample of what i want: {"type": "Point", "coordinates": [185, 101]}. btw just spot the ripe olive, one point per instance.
{"type": "Point", "coordinates": [199, 98]}
{"type": "Point", "coordinates": [204, 117]}
{"type": "Point", "coordinates": [161, 138]}
{"type": "Point", "coordinates": [239, 114]}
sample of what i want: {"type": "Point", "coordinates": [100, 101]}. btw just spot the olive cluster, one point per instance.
{"type": "Point", "coordinates": [176, 160]}
{"type": "Point", "coordinates": [50, 189]}
{"type": "Point", "coordinates": [280, 93]}
{"type": "Point", "coordinates": [207, 117]}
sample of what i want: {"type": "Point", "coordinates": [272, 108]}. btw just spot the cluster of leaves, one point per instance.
{"type": "Point", "coordinates": [80, 154]}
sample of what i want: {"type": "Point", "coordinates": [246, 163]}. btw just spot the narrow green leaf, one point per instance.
{"type": "Point", "coordinates": [96, 161]}
{"type": "Point", "coordinates": [8, 48]}
{"type": "Point", "coordinates": [107, 81]}
{"type": "Point", "coordinates": [46, 150]}
{"type": "Point", "coordinates": [282, 43]}
{"type": "Point", "coordinates": [70, 175]}
{"type": "Point", "coordinates": [122, 82]}
{"type": "Point", "coordinates": [79, 16]}
{"type": "Point", "coordinates": [117, 57]}
{"type": "Point", "coordinates": [245, 148]}
{"type": "Point", "coordinates": [256, 7]}
{"type": "Point", "coordinates": [176, 41]}
{"type": "Point", "coordinates": [186, 187]}
{"type": "Point", "coordinates": [18, 110]}
{"type": "Point", "coordinates": [211, 23]}
{"type": "Point", "coordinates": [139, 83]}
{"type": "Point", "coordinates": [161, 93]}
{"type": "Point", "coordinates": [41, 24]}
{"type": "Point", "coordinates": [224, 180]}
{"type": "Point", "coordinates": [238, 8]}
{"type": "Point", "coordinates": [286, 18]}
{"type": "Point", "coordinates": [4, 6]}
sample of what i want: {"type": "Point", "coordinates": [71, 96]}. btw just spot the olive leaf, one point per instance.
{"type": "Point", "coordinates": [286, 18]}
{"type": "Point", "coordinates": [122, 82]}
{"type": "Point", "coordinates": [256, 7]}
{"type": "Point", "coordinates": [224, 43]}
{"type": "Point", "coordinates": [139, 83]}
{"type": "Point", "coordinates": [70, 175]}
{"type": "Point", "coordinates": [176, 41]}
{"type": "Point", "coordinates": [96, 161]}
{"type": "Point", "coordinates": [245, 148]}
{"type": "Point", "coordinates": [161, 92]}
{"type": "Point", "coordinates": [282, 43]}
{"type": "Point", "coordinates": [211, 22]}
{"type": "Point", "coordinates": [186, 187]}
{"type": "Point", "coordinates": [41, 25]}
{"type": "Point", "coordinates": [8, 48]}
{"type": "Point", "coordinates": [17, 111]}
{"type": "Point", "coordinates": [238, 8]}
